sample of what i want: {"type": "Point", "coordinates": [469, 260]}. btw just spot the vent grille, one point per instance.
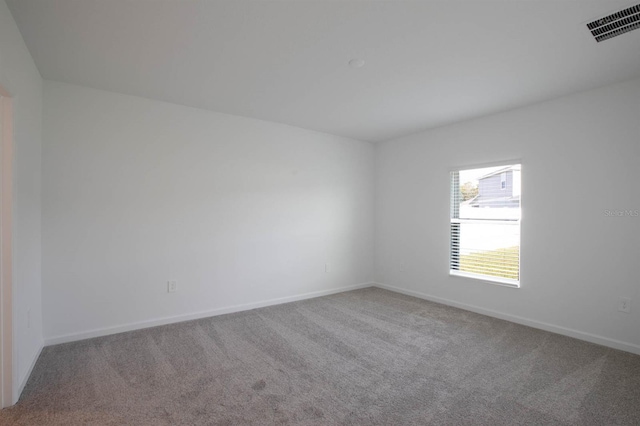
{"type": "Point", "coordinates": [615, 24]}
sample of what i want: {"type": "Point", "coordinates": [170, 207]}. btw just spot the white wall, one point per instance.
{"type": "Point", "coordinates": [237, 211]}
{"type": "Point", "coordinates": [580, 156]}
{"type": "Point", "coordinates": [20, 77]}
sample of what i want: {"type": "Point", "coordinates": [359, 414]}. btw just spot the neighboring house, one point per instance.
{"type": "Point", "coordinates": [500, 188]}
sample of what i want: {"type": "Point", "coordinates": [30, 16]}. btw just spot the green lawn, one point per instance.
{"type": "Point", "coordinates": [485, 262]}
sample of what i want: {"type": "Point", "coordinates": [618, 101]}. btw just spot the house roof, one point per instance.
{"type": "Point", "coordinates": [515, 167]}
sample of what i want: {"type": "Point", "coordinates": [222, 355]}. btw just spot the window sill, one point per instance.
{"type": "Point", "coordinates": [505, 282]}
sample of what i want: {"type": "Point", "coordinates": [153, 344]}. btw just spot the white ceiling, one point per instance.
{"type": "Point", "coordinates": [428, 63]}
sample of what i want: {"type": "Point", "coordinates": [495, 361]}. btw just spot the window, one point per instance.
{"type": "Point", "coordinates": [485, 224]}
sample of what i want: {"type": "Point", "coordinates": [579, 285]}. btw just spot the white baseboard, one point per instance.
{"type": "Point", "coordinates": [55, 340]}
{"type": "Point", "coordinates": [23, 380]}
{"type": "Point", "coordinates": [593, 338]}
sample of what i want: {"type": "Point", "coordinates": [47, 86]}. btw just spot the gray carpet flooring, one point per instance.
{"type": "Point", "coordinates": [365, 357]}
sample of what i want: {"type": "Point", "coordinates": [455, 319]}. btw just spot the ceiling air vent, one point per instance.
{"type": "Point", "coordinates": [615, 24]}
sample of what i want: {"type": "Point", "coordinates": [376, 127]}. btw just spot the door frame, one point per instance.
{"type": "Point", "coordinates": [7, 376]}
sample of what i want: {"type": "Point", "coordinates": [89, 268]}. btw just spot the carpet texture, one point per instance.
{"type": "Point", "coordinates": [364, 357]}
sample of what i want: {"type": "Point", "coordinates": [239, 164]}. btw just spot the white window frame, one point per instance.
{"type": "Point", "coordinates": [507, 282]}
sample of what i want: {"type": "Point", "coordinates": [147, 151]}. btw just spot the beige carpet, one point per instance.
{"type": "Point", "coordinates": [365, 357]}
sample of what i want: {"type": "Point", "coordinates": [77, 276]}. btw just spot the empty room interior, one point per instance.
{"type": "Point", "coordinates": [319, 212]}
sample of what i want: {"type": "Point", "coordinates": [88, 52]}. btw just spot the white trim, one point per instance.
{"type": "Point", "coordinates": [507, 282]}
{"type": "Point", "coordinates": [581, 335]}
{"type": "Point", "coordinates": [504, 163]}
{"type": "Point", "coordinates": [196, 315]}
{"type": "Point", "coordinates": [8, 346]}
{"type": "Point", "coordinates": [487, 221]}
{"type": "Point", "coordinates": [25, 379]}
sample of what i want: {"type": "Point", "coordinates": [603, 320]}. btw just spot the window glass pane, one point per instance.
{"type": "Point", "coordinates": [485, 223]}
{"type": "Point", "coordinates": [487, 248]}
{"type": "Point", "coordinates": [490, 193]}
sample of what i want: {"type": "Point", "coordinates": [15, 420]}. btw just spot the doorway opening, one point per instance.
{"type": "Point", "coordinates": [6, 251]}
